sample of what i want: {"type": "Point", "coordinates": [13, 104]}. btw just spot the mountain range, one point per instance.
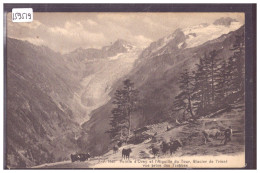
{"type": "Point", "coordinates": [155, 75]}
{"type": "Point", "coordinates": [60, 104]}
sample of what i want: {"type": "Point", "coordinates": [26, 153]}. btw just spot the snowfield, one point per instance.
{"type": "Point", "coordinates": [193, 36]}
{"type": "Point", "coordinates": [197, 35]}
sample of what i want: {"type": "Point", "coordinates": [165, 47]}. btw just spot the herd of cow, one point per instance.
{"type": "Point", "coordinates": [164, 147]}
{"type": "Point", "coordinates": [79, 157]}
{"type": "Point", "coordinates": [171, 146]}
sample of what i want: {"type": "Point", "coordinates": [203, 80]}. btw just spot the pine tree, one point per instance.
{"type": "Point", "coordinates": [214, 84]}
{"type": "Point", "coordinates": [125, 101]}
{"type": "Point", "coordinates": [236, 66]}
{"type": "Point", "coordinates": [222, 83]}
{"type": "Point", "coordinates": [130, 101]}
{"type": "Point", "coordinates": [205, 83]}
{"type": "Point", "coordinates": [183, 99]}
{"type": "Point", "coordinates": [117, 121]}
{"type": "Point", "coordinates": [211, 70]}
{"type": "Point", "coordinates": [201, 86]}
{"type": "Point", "coordinates": [180, 105]}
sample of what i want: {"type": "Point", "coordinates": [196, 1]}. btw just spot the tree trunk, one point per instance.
{"type": "Point", "coordinates": [129, 123]}
{"type": "Point", "coordinates": [190, 107]}
{"type": "Point", "coordinates": [212, 80]}
{"type": "Point", "coordinates": [121, 133]}
{"type": "Point", "coordinates": [183, 116]}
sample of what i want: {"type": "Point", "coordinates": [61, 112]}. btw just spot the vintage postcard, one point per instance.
{"type": "Point", "coordinates": [125, 90]}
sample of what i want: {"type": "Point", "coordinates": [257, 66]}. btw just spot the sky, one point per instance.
{"type": "Point", "coordinates": [65, 32]}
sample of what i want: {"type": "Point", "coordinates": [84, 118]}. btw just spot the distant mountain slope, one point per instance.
{"type": "Point", "coordinates": [155, 75]}
{"type": "Point", "coordinates": [49, 95]}
{"type": "Point", "coordinates": [39, 120]}
{"type": "Point", "coordinates": [81, 55]}
{"type": "Point", "coordinates": [99, 69]}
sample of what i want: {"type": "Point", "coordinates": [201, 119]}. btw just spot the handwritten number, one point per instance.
{"type": "Point", "coordinates": [18, 16]}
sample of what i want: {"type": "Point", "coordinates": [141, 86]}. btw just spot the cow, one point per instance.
{"type": "Point", "coordinates": [84, 157]}
{"type": "Point", "coordinates": [126, 153]}
{"type": "Point", "coordinates": [164, 147]}
{"type": "Point", "coordinates": [74, 157]}
{"type": "Point", "coordinates": [119, 144]}
{"type": "Point", "coordinates": [213, 133]}
{"type": "Point", "coordinates": [79, 157]}
{"type": "Point", "coordinates": [206, 137]}
{"type": "Point", "coordinates": [155, 151]}
{"type": "Point", "coordinates": [174, 145]}
{"type": "Point", "coordinates": [171, 146]}
{"type": "Point", "coordinates": [115, 149]}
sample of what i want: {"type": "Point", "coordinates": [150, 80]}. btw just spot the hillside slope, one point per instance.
{"type": "Point", "coordinates": [49, 95]}
{"type": "Point", "coordinates": [40, 123]}
{"type": "Point", "coordinates": [189, 134]}
{"type": "Point", "coordinates": [155, 76]}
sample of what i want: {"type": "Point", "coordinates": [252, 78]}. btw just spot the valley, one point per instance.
{"type": "Point", "coordinates": [61, 104]}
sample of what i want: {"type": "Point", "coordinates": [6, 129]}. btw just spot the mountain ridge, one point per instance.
{"type": "Point", "coordinates": [155, 77]}
{"type": "Point", "coordinates": [88, 54]}
{"type": "Point", "coordinates": [82, 82]}
{"type": "Point", "coordinates": [189, 37]}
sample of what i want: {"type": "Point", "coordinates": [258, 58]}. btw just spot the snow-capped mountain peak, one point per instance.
{"type": "Point", "coordinates": [225, 21]}
{"type": "Point", "coordinates": [197, 35]}
{"type": "Point", "coordinates": [120, 45]}
{"type": "Point", "coordinates": [191, 36]}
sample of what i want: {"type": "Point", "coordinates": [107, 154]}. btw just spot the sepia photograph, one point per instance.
{"type": "Point", "coordinates": [148, 90]}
